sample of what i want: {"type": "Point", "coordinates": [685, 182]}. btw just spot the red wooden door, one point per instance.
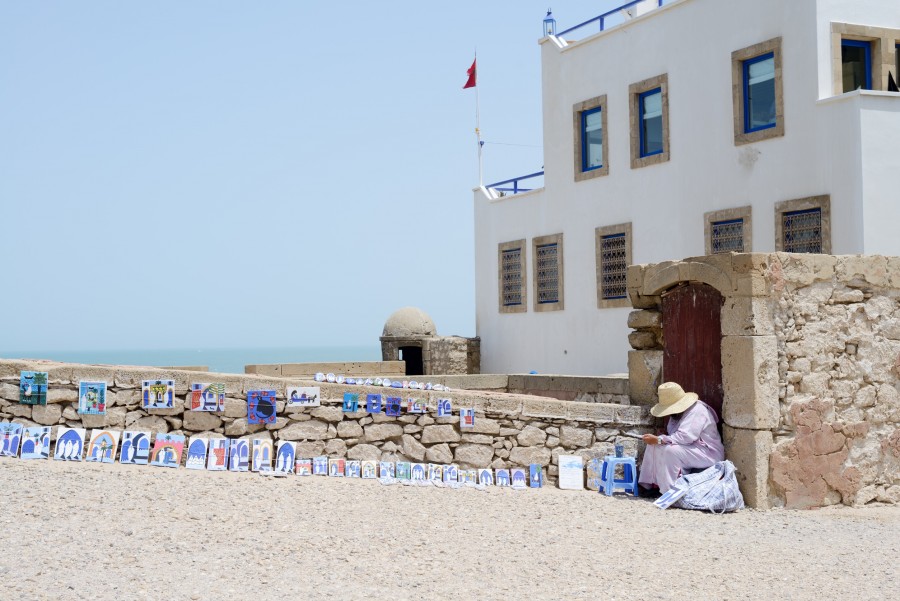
{"type": "Point", "coordinates": [692, 334]}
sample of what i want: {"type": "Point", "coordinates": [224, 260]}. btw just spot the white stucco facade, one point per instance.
{"type": "Point", "coordinates": [843, 146]}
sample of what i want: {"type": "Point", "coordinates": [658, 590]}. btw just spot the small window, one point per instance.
{"type": "Point", "coordinates": [759, 93]}
{"type": "Point", "coordinates": [728, 230]}
{"type": "Point", "coordinates": [512, 277]}
{"type": "Point", "coordinates": [548, 273]}
{"type": "Point", "coordinates": [856, 65]}
{"type": "Point", "coordinates": [649, 119]}
{"type": "Point", "coordinates": [803, 226]}
{"type": "Point", "coordinates": [651, 111]}
{"type": "Point", "coordinates": [592, 139]}
{"type": "Point", "coordinates": [591, 143]}
{"type": "Point", "coordinates": [613, 246]}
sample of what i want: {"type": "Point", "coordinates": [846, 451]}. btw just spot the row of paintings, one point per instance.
{"type": "Point", "coordinates": [517, 477]}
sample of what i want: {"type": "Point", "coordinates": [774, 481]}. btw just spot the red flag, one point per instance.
{"type": "Point", "coordinates": [470, 83]}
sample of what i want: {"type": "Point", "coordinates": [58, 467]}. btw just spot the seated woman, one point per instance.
{"type": "Point", "coordinates": [693, 440]}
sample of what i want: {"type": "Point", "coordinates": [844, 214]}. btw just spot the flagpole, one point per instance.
{"type": "Point", "coordinates": [478, 133]}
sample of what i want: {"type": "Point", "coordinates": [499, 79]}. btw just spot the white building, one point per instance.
{"type": "Point", "coordinates": [696, 127]}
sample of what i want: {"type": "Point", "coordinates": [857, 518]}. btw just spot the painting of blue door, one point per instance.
{"type": "Point", "coordinates": [36, 443]}
{"type": "Point", "coordinates": [135, 447]}
{"type": "Point", "coordinates": [10, 435]}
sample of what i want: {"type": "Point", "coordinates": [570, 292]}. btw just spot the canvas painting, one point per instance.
{"type": "Point", "coordinates": [393, 406]}
{"type": "Point", "coordinates": [369, 469]}
{"type": "Point", "coordinates": [571, 472]}
{"type": "Point", "coordinates": [415, 406]}
{"type": "Point", "coordinates": [285, 456]}
{"type": "Point", "coordinates": [435, 472]}
{"type": "Point", "coordinates": [594, 470]}
{"type": "Point", "coordinates": [10, 436]}
{"type": "Point", "coordinates": [103, 446]}
{"type": "Point", "coordinates": [461, 477]}
{"type": "Point", "coordinates": [135, 447]}
{"type": "Point", "coordinates": [471, 476]}
{"type": "Point", "coordinates": [261, 407]}
{"type": "Point", "coordinates": [196, 453]}
{"type": "Point", "coordinates": [303, 396]}
{"type": "Point", "coordinates": [239, 455]}
{"type": "Point", "coordinates": [36, 442]}
{"type": "Point", "coordinates": [386, 469]}
{"type": "Point", "coordinates": [351, 402]}
{"type": "Point", "coordinates": [518, 477]}
{"type": "Point", "coordinates": [445, 408]}
{"type": "Point", "coordinates": [486, 477]}
{"type": "Point", "coordinates": [167, 450]}
{"type": "Point", "coordinates": [33, 387]}
{"type": "Point", "coordinates": [303, 467]}
{"type": "Point", "coordinates": [208, 396]}
{"type": "Point", "coordinates": [91, 398]}
{"type": "Point", "coordinates": [404, 470]}
{"type": "Point", "coordinates": [419, 471]}
{"type": "Point", "coordinates": [373, 403]}
{"type": "Point", "coordinates": [69, 444]}
{"type": "Point", "coordinates": [535, 475]}
{"type": "Point", "coordinates": [353, 469]}
{"type": "Point", "coordinates": [320, 466]}
{"type": "Point", "coordinates": [502, 477]}
{"type": "Point", "coordinates": [217, 459]}
{"type": "Point", "coordinates": [451, 473]}
{"type": "Point", "coordinates": [158, 394]}
{"type": "Point", "coordinates": [336, 467]}
{"type": "Point", "coordinates": [262, 455]}
{"type": "Point", "coordinates": [467, 418]}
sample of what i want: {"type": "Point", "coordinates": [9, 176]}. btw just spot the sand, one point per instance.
{"type": "Point", "coordinates": [92, 531]}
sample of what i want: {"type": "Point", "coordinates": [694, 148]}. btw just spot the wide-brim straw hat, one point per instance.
{"type": "Point", "coordinates": [672, 399]}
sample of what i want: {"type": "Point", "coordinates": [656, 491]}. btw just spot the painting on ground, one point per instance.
{"type": "Point", "coordinates": [158, 394]}
{"type": "Point", "coordinates": [336, 467]}
{"type": "Point", "coordinates": [351, 402]}
{"type": "Point", "coordinates": [451, 473]}
{"type": "Point", "coordinates": [33, 387]}
{"type": "Point", "coordinates": [303, 396]}
{"type": "Point", "coordinates": [91, 398]}
{"type": "Point", "coordinates": [435, 472]}
{"type": "Point", "coordinates": [10, 435]}
{"type": "Point", "coordinates": [36, 442]}
{"type": "Point", "coordinates": [217, 460]}
{"type": "Point", "coordinates": [467, 418]}
{"type": "Point", "coordinates": [320, 466]}
{"type": "Point", "coordinates": [502, 477]}
{"type": "Point", "coordinates": [196, 458]}
{"type": "Point", "coordinates": [373, 403]}
{"type": "Point", "coordinates": [404, 470]}
{"type": "Point", "coordinates": [208, 397]}
{"type": "Point", "coordinates": [594, 469]}
{"type": "Point", "coordinates": [135, 447]}
{"type": "Point", "coordinates": [353, 469]}
{"type": "Point", "coordinates": [103, 446]}
{"type": "Point", "coordinates": [393, 406]}
{"type": "Point", "coordinates": [167, 450]}
{"type": "Point", "coordinates": [571, 472]}
{"type": "Point", "coordinates": [486, 477]}
{"type": "Point", "coordinates": [535, 475]}
{"type": "Point", "coordinates": [262, 455]}
{"type": "Point", "coordinates": [303, 467]}
{"type": "Point", "coordinates": [239, 456]}
{"type": "Point", "coordinates": [471, 476]}
{"type": "Point", "coordinates": [386, 469]}
{"type": "Point", "coordinates": [69, 444]}
{"type": "Point", "coordinates": [369, 468]}
{"type": "Point", "coordinates": [285, 457]}
{"type": "Point", "coordinates": [261, 407]}
{"type": "Point", "coordinates": [419, 471]}
{"type": "Point", "coordinates": [518, 477]}
{"type": "Point", "coordinates": [445, 408]}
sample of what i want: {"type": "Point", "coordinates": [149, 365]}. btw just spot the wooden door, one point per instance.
{"type": "Point", "coordinates": [692, 334]}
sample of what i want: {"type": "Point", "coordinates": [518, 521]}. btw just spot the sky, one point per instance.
{"type": "Point", "coordinates": [250, 174]}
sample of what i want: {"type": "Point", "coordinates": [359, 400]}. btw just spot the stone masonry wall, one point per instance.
{"type": "Point", "coordinates": [510, 430]}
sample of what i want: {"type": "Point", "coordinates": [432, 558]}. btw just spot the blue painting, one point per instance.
{"type": "Point", "coordinates": [451, 473]}
{"type": "Point", "coordinates": [262, 455]}
{"type": "Point", "coordinates": [502, 477]}
{"type": "Point", "coordinates": [239, 460]}
{"type": "Point", "coordinates": [91, 398]}
{"type": "Point", "coordinates": [393, 406]}
{"type": "Point", "coordinates": [386, 469]}
{"type": "Point", "coordinates": [158, 394]}
{"type": "Point", "coordinates": [320, 466]}
{"type": "Point", "coordinates": [196, 457]}
{"type": "Point", "coordinates": [285, 457]}
{"type": "Point", "coordinates": [536, 475]}
{"type": "Point", "coordinates": [467, 418]}
{"type": "Point", "coordinates": [167, 450]}
{"type": "Point", "coordinates": [415, 406]}
{"type": "Point", "coordinates": [217, 460]}
{"type": "Point", "coordinates": [445, 408]}
{"type": "Point", "coordinates": [419, 471]}
{"type": "Point", "coordinates": [208, 397]}
{"type": "Point", "coordinates": [471, 476]}
{"type": "Point", "coordinates": [103, 446]}
{"type": "Point", "coordinates": [135, 447]}
{"type": "Point", "coordinates": [373, 403]}
{"type": "Point", "coordinates": [435, 472]}
{"type": "Point", "coordinates": [36, 443]}
{"type": "Point", "coordinates": [10, 435]}
{"type": "Point", "coordinates": [353, 469]}
{"type": "Point", "coordinates": [486, 477]}
{"type": "Point", "coordinates": [351, 402]}
{"type": "Point", "coordinates": [518, 477]}
{"type": "Point", "coordinates": [369, 469]}
{"type": "Point", "coordinates": [33, 387]}
{"type": "Point", "coordinates": [69, 444]}
{"type": "Point", "coordinates": [261, 407]}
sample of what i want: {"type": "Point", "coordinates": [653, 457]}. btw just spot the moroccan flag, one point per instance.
{"type": "Point", "coordinates": [470, 83]}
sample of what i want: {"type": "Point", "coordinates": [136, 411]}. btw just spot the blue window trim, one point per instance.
{"type": "Point", "coordinates": [641, 97]}
{"type": "Point", "coordinates": [584, 157]}
{"type": "Point", "coordinates": [868, 48]}
{"type": "Point", "coordinates": [611, 237]}
{"type": "Point", "coordinates": [747, 63]}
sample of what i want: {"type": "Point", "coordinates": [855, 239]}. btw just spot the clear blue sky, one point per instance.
{"type": "Point", "coordinates": [231, 174]}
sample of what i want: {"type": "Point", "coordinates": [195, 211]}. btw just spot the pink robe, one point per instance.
{"type": "Point", "coordinates": [693, 442]}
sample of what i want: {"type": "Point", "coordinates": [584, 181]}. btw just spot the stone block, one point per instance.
{"type": "Point", "coordinates": [484, 425]}
{"type": "Point", "coordinates": [235, 407]}
{"type": "Point", "coordinates": [542, 408]}
{"type": "Point", "coordinates": [364, 452]}
{"type": "Point", "coordinates": [474, 455]}
{"type": "Point", "coordinates": [529, 455]}
{"type": "Point", "coordinates": [643, 340]}
{"type": "Point", "coordinates": [435, 434]}
{"type": "Point", "coordinates": [20, 410]}
{"type": "Point", "coordinates": [376, 432]}
{"type": "Point", "coordinates": [60, 395]}
{"type": "Point", "coordinates": [749, 451]}
{"type": "Point", "coordinates": [634, 415]}
{"type": "Point", "coordinates": [439, 453]}
{"type": "Point", "coordinates": [328, 414]}
{"type": "Point", "coordinates": [747, 316]}
{"type": "Point", "coordinates": [412, 448]}
{"type": "Point", "coordinates": [199, 421]}
{"type": "Point", "coordinates": [531, 436]}
{"type": "Point", "coordinates": [335, 447]}
{"type": "Point", "coordinates": [152, 423]}
{"type": "Point", "coordinates": [115, 417]}
{"type": "Point", "coordinates": [478, 439]}
{"type": "Point", "coordinates": [308, 430]}
{"type": "Point", "coordinates": [505, 407]}
{"type": "Point", "coordinates": [572, 437]}
{"type": "Point", "coordinates": [308, 450]}
{"type": "Point", "coordinates": [750, 382]}
{"type": "Point", "coordinates": [591, 412]}
{"type": "Point", "coordinates": [349, 429]}
{"type": "Point", "coordinates": [644, 376]}
{"type": "Point", "coordinates": [645, 320]}
{"type": "Point", "coordinates": [46, 415]}
{"type": "Point", "coordinates": [93, 420]}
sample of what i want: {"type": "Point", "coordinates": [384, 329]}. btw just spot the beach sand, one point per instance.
{"type": "Point", "coordinates": [92, 531]}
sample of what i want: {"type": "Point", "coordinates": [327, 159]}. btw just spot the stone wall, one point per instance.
{"type": "Point", "coordinates": [510, 430]}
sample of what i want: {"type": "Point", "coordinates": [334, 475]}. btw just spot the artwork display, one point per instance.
{"type": "Point", "coordinates": [435, 472]}
{"type": "Point", "coordinates": [353, 469]}
{"type": "Point", "coordinates": [10, 436]}
{"type": "Point", "coordinates": [415, 406]}
{"type": "Point", "coordinates": [103, 446]}
{"type": "Point", "coordinates": [36, 442]}
{"type": "Point", "coordinates": [91, 398]}
{"type": "Point", "coordinates": [303, 467]}
{"type": "Point", "coordinates": [518, 477]}
{"type": "Point", "coordinates": [239, 455]}
{"type": "Point", "coordinates": [262, 455]}
{"type": "Point", "coordinates": [535, 475]}
{"type": "Point", "coordinates": [285, 456]}
{"type": "Point", "coordinates": [404, 470]}
{"type": "Point", "coordinates": [444, 408]}
{"type": "Point", "coordinates": [33, 387]}
{"type": "Point", "coordinates": [393, 406]}
{"type": "Point", "coordinates": [502, 477]}
{"type": "Point", "coordinates": [158, 394]}
{"type": "Point", "coordinates": [486, 477]}
{"type": "Point", "coordinates": [135, 447]}
{"type": "Point", "coordinates": [208, 396]}
{"type": "Point", "coordinates": [594, 469]}
{"type": "Point", "coordinates": [217, 458]}
{"type": "Point", "coordinates": [351, 402]}
{"type": "Point", "coordinates": [451, 473]}
{"type": "Point", "coordinates": [571, 472]}
{"type": "Point", "coordinates": [373, 403]}
{"type": "Point", "coordinates": [167, 450]}
{"type": "Point", "coordinates": [303, 396]}
{"type": "Point", "coordinates": [261, 407]}
{"type": "Point", "coordinates": [69, 444]}
{"type": "Point", "coordinates": [467, 418]}
{"type": "Point", "coordinates": [419, 471]}
{"type": "Point", "coordinates": [320, 466]}
{"type": "Point", "coordinates": [369, 469]}
{"type": "Point", "coordinates": [471, 476]}
{"type": "Point", "coordinates": [386, 469]}
{"type": "Point", "coordinates": [336, 467]}
{"type": "Point", "coordinates": [196, 453]}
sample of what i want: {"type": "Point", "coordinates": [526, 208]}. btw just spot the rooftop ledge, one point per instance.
{"type": "Point", "coordinates": [630, 13]}
{"type": "Point", "coordinates": [497, 196]}
{"type": "Point", "coordinates": [855, 93]}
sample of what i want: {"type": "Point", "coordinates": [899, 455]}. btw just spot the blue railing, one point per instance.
{"type": "Point", "coordinates": [602, 18]}
{"type": "Point", "coordinates": [515, 189]}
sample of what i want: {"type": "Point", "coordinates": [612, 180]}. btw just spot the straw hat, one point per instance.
{"type": "Point", "coordinates": [672, 399]}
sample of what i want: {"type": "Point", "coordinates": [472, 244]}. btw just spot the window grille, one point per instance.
{"type": "Point", "coordinates": [547, 260]}
{"type": "Point", "coordinates": [727, 236]}
{"type": "Point", "coordinates": [613, 266]}
{"type": "Point", "coordinates": [512, 277]}
{"type": "Point", "coordinates": [802, 231]}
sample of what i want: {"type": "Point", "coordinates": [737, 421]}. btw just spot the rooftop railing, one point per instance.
{"type": "Point", "coordinates": [504, 189]}
{"type": "Point", "coordinates": [601, 21]}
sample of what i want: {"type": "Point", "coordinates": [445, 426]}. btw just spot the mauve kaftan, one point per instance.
{"type": "Point", "coordinates": [693, 442]}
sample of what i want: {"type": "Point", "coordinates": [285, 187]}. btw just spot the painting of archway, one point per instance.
{"type": "Point", "coordinates": [135, 447]}
{"type": "Point", "coordinates": [240, 455]}
{"type": "Point", "coordinates": [69, 444]}
{"type": "Point", "coordinates": [10, 435]}
{"type": "Point", "coordinates": [103, 446]}
{"type": "Point", "coordinates": [262, 455]}
{"type": "Point", "coordinates": [286, 455]}
{"type": "Point", "coordinates": [196, 459]}
{"type": "Point", "coordinates": [218, 454]}
{"type": "Point", "coordinates": [167, 450]}
{"type": "Point", "coordinates": [36, 443]}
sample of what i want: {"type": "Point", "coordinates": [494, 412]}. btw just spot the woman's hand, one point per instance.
{"type": "Point", "coordinates": [650, 439]}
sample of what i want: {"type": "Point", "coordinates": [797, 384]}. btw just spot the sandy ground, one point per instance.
{"type": "Point", "coordinates": [90, 531]}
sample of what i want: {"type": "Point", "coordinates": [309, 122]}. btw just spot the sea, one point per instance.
{"type": "Point", "coordinates": [222, 360]}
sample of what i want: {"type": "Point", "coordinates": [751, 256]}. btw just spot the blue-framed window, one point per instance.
{"type": "Point", "coordinates": [802, 231]}
{"type": "Point", "coordinates": [727, 236]}
{"type": "Point", "coordinates": [759, 93]}
{"type": "Point", "coordinates": [650, 122]}
{"type": "Point", "coordinates": [592, 139]}
{"type": "Point", "coordinates": [856, 65]}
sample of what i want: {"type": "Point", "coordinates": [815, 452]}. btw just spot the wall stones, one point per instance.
{"type": "Point", "coordinates": [435, 434]}
{"type": "Point", "coordinates": [308, 430]}
{"type": "Point", "coordinates": [474, 455]}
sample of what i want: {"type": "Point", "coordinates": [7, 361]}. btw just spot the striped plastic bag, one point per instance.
{"type": "Point", "coordinates": [714, 489]}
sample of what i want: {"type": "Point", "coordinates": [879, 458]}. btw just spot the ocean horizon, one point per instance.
{"type": "Point", "coordinates": [222, 360]}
